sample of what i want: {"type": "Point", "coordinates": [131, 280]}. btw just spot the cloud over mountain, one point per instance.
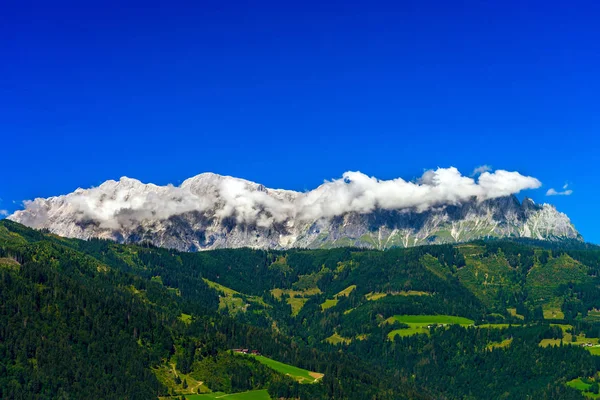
{"type": "Point", "coordinates": [128, 201]}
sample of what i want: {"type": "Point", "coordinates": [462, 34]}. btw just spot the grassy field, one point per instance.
{"type": "Point", "coordinates": [553, 314]}
{"type": "Point", "coordinates": [513, 312]}
{"type": "Point", "coordinates": [295, 293]}
{"type": "Point", "coordinates": [229, 299]}
{"type": "Point", "coordinates": [378, 295]}
{"type": "Point", "coordinates": [418, 323]}
{"type": "Point", "coordinates": [593, 315]}
{"type": "Point", "coordinates": [301, 375]}
{"type": "Point", "coordinates": [9, 263]}
{"type": "Point", "coordinates": [327, 304]}
{"type": "Point", "coordinates": [251, 395]}
{"type": "Point", "coordinates": [496, 326]}
{"type": "Point", "coordinates": [297, 298]}
{"type": "Point", "coordinates": [346, 291]}
{"type": "Point", "coordinates": [568, 339]}
{"type": "Point", "coordinates": [594, 350]}
{"type": "Point", "coordinates": [578, 384]}
{"type": "Point", "coordinates": [582, 386]}
{"type": "Point", "coordinates": [186, 318]}
{"type": "Point", "coordinates": [499, 345]}
{"type": "Point", "coordinates": [166, 375]}
{"type": "Point", "coordinates": [375, 296]}
{"type": "Point", "coordinates": [223, 289]}
{"type": "Point", "coordinates": [333, 302]}
{"type": "Point", "coordinates": [552, 309]}
{"type": "Point", "coordinates": [296, 303]}
{"type": "Point", "coordinates": [233, 301]}
{"type": "Point", "coordinates": [337, 339]}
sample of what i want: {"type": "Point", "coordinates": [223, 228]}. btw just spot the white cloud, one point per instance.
{"type": "Point", "coordinates": [553, 192]}
{"type": "Point", "coordinates": [481, 169]}
{"type": "Point", "coordinates": [3, 213]}
{"type": "Point", "coordinates": [128, 201]}
{"type": "Point", "coordinates": [357, 192]}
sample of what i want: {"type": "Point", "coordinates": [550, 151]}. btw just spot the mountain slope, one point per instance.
{"type": "Point", "coordinates": [75, 326]}
{"type": "Point", "coordinates": [75, 312]}
{"type": "Point", "coordinates": [212, 211]}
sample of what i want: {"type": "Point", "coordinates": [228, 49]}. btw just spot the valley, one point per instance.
{"type": "Point", "coordinates": [299, 200]}
{"type": "Point", "coordinates": [327, 323]}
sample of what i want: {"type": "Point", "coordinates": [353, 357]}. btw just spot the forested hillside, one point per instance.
{"type": "Point", "coordinates": [486, 319]}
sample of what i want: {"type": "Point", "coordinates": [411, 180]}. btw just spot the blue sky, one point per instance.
{"type": "Point", "coordinates": [289, 95]}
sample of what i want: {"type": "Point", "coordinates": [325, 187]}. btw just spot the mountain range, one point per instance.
{"type": "Point", "coordinates": [211, 211]}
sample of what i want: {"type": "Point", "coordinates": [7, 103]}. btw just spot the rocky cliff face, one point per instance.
{"type": "Point", "coordinates": [211, 211]}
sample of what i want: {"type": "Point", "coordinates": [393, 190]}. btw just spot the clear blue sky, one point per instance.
{"type": "Point", "coordinates": [291, 94]}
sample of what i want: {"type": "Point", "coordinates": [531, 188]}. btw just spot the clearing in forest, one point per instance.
{"type": "Point", "coordinates": [295, 298]}
{"type": "Point", "coordinates": [233, 301]}
{"type": "Point", "coordinates": [421, 323]}
{"type": "Point", "coordinates": [333, 302]}
{"type": "Point", "coordinates": [250, 395]}
{"type": "Point", "coordinates": [591, 344]}
{"type": "Point", "coordinates": [337, 339]}
{"type": "Point", "coordinates": [372, 296]}
{"type": "Point", "coordinates": [585, 386]}
{"type": "Point", "coordinates": [301, 375]}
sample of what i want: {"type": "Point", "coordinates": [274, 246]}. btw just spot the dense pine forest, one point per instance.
{"type": "Point", "coordinates": [97, 319]}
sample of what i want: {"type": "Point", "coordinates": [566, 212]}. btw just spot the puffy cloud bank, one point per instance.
{"type": "Point", "coordinates": [357, 192]}
{"type": "Point", "coordinates": [127, 202]}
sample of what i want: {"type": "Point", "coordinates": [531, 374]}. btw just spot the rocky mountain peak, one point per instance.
{"type": "Point", "coordinates": [211, 211]}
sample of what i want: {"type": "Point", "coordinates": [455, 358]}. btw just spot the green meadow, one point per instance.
{"type": "Point", "coordinates": [232, 300]}
{"type": "Point", "coordinates": [499, 345]}
{"type": "Point", "coordinates": [497, 326]}
{"type": "Point", "coordinates": [568, 340]}
{"type": "Point", "coordinates": [337, 339]}
{"type": "Point", "coordinates": [418, 323]}
{"type": "Point", "coordinates": [251, 395]}
{"type": "Point", "coordinates": [582, 386]}
{"type": "Point", "coordinates": [333, 302]}
{"type": "Point", "coordinates": [301, 375]}
{"type": "Point", "coordinates": [327, 304]}
{"type": "Point", "coordinates": [372, 296]}
{"type": "Point", "coordinates": [295, 298]}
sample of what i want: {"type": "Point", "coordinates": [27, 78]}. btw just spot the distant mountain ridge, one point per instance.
{"type": "Point", "coordinates": [212, 211]}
